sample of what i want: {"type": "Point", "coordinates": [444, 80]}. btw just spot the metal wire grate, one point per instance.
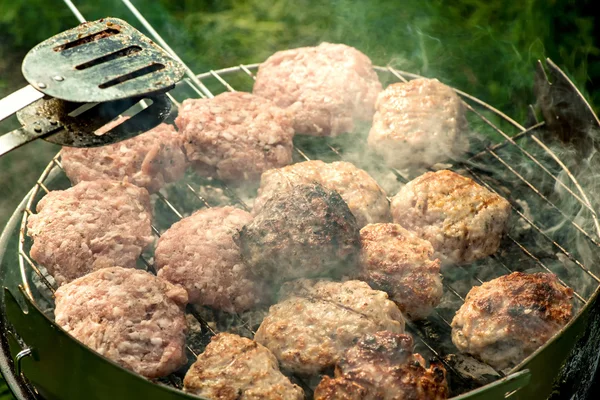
{"type": "Point", "coordinates": [503, 166]}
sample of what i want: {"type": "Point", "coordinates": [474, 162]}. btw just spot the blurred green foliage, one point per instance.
{"type": "Point", "coordinates": [487, 48]}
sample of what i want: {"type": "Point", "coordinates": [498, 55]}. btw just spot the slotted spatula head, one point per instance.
{"type": "Point", "coordinates": [100, 61]}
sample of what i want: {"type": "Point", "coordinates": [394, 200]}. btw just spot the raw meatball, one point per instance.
{"type": "Point", "coordinates": [508, 318]}
{"type": "Point", "coordinates": [93, 225]}
{"type": "Point", "coordinates": [303, 231]}
{"type": "Point", "coordinates": [150, 160]}
{"type": "Point", "coordinates": [327, 88]}
{"type": "Point", "coordinates": [199, 254]}
{"type": "Point", "coordinates": [128, 315]}
{"type": "Point", "coordinates": [398, 262]}
{"type": "Point", "coordinates": [383, 366]}
{"type": "Point", "coordinates": [365, 198]}
{"type": "Point", "coordinates": [236, 368]}
{"type": "Point", "coordinates": [463, 221]}
{"type": "Point", "coordinates": [235, 136]}
{"type": "Point", "coordinates": [316, 321]}
{"type": "Point", "coordinates": [418, 123]}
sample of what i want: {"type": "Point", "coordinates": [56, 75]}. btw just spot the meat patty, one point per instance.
{"type": "Point", "coordinates": [128, 315]}
{"type": "Point", "coordinates": [418, 123]}
{"type": "Point", "coordinates": [199, 254]}
{"type": "Point", "coordinates": [383, 366]}
{"type": "Point", "coordinates": [149, 160]}
{"type": "Point", "coordinates": [327, 87]}
{"type": "Point", "coordinates": [236, 368]}
{"type": "Point", "coordinates": [462, 220]}
{"type": "Point", "coordinates": [508, 318]}
{"type": "Point", "coordinates": [92, 225]}
{"type": "Point", "coordinates": [317, 320]}
{"type": "Point", "coordinates": [400, 263]}
{"type": "Point", "coordinates": [303, 231]}
{"type": "Point", "coordinates": [365, 198]}
{"type": "Point", "coordinates": [235, 136]}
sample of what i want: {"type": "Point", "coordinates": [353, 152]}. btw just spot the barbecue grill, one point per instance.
{"type": "Point", "coordinates": [554, 228]}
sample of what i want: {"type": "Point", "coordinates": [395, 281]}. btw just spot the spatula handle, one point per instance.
{"type": "Point", "coordinates": [18, 138]}
{"type": "Point", "coordinates": [18, 100]}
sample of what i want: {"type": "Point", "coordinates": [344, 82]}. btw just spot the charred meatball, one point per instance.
{"type": "Point", "coordinates": [236, 368]}
{"type": "Point", "coordinates": [199, 253]}
{"type": "Point", "coordinates": [418, 123]}
{"type": "Point", "coordinates": [327, 88]}
{"type": "Point", "coordinates": [93, 225]}
{"type": "Point", "coordinates": [303, 231]}
{"type": "Point", "coordinates": [129, 316]}
{"type": "Point", "coordinates": [316, 321]}
{"type": "Point", "coordinates": [383, 366]}
{"type": "Point", "coordinates": [462, 220]}
{"type": "Point", "coordinates": [400, 263]}
{"type": "Point", "coordinates": [235, 136]}
{"type": "Point", "coordinates": [508, 318]}
{"type": "Point", "coordinates": [365, 198]}
{"type": "Point", "coordinates": [149, 160]}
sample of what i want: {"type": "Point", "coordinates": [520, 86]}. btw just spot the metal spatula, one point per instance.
{"type": "Point", "coordinates": [97, 62]}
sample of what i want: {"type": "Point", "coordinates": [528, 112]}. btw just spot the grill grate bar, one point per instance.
{"type": "Point", "coordinates": [168, 203]}
{"type": "Point", "coordinates": [541, 195]}
{"type": "Point", "coordinates": [506, 142]}
{"type": "Point", "coordinates": [539, 230]}
{"type": "Point", "coordinates": [202, 199]}
{"type": "Point", "coordinates": [38, 272]}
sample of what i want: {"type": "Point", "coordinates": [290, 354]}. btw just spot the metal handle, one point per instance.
{"type": "Point", "coordinates": [18, 138]}
{"type": "Point", "coordinates": [18, 100]}
{"type": "Point", "coordinates": [21, 355]}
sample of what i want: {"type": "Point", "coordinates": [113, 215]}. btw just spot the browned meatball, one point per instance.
{"type": "Point", "coordinates": [93, 225]}
{"type": "Point", "coordinates": [200, 254]}
{"type": "Point", "coordinates": [235, 136]}
{"type": "Point", "coordinates": [463, 220]}
{"type": "Point", "coordinates": [418, 123]}
{"type": "Point", "coordinates": [150, 160]}
{"type": "Point", "coordinates": [316, 321]}
{"type": "Point", "coordinates": [129, 316]}
{"type": "Point", "coordinates": [365, 198]}
{"type": "Point", "coordinates": [508, 318]}
{"type": "Point", "coordinates": [327, 87]}
{"type": "Point", "coordinates": [398, 262]}
{"type": "Point", "coordinates": [236, 368]}
{"type": "Point", "coordinates": [382, 366]}
{"type": "Point", "coordinates": [303, 231]}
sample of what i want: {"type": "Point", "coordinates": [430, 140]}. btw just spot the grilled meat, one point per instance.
{"type": "Point", "coordinates": [365, 198]}
{"type": "Point", "coordinates": [398, 262]}
{"type": "Point", "coordinates": [317, 320]}
{"type": "Point", "coordinates": [508, 318]}
{"type": "Point", "coordinates": [303, 231]}
{"type": "Point", "coordinates": [236, 368]}
{"type": "Point", "coordinates": [199, 254]}
{"type": "Point", "coordinates": [326, 87]}
{"type": "Point", "coordinates": [462, 220]}
{"type": "Point", "coordinates": [235, 136]}
{"type": "Point", "coordinates": [92, 225]}
{"type": "Point", "coordinates": [382, 366]}
{"type": "Point", "coordinates": [129, 316]}
{"type": "Point", "coordinates": [418, 123]}
{"type": "Point", "coordinates": [149, 160]}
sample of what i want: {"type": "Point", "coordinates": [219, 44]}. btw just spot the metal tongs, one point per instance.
{"type": "Point", "coordinates": [85, 77]}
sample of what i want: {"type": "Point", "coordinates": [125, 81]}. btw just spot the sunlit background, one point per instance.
{"type": "Point", "coordinates": [486, 48]}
